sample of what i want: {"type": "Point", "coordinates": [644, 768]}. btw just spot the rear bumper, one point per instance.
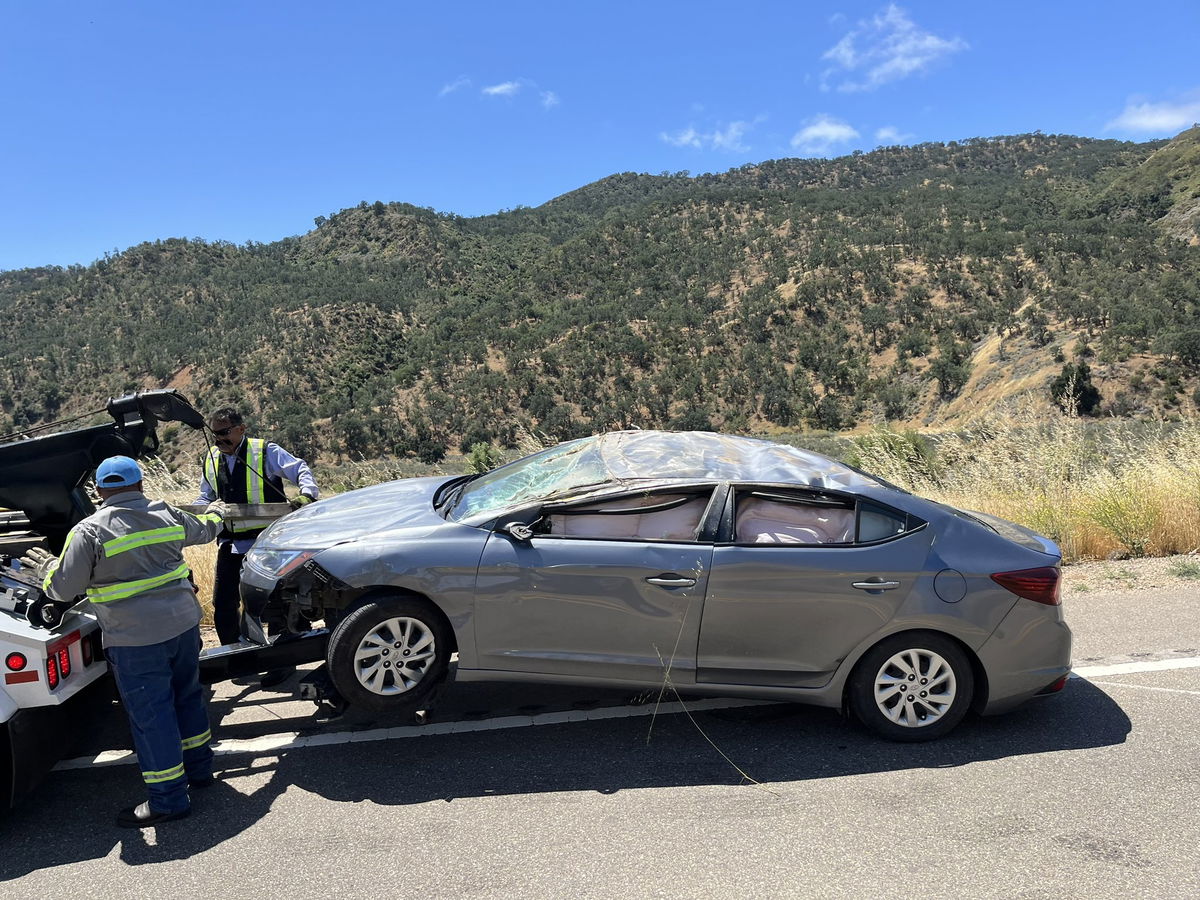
{"type": "Point", "coordinates": [1028, 652]}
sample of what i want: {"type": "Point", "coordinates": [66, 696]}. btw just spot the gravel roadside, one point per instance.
{"type": "Point", "coordinates": [1102, 577]}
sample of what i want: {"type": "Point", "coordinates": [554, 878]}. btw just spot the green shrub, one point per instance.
{"type": "Point", "coordinates": [483, 458]}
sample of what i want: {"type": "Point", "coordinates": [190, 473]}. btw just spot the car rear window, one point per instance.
{"type": "Point", "coordinates": [771, 516]}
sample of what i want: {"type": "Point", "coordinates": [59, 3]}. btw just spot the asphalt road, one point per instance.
{"type": "Point", "coordinates": [1092, 793]}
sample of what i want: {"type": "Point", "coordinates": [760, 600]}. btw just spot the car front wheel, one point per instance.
{"type": "Point", "coordinates": [912, 687]}
{"type": "Point", "coordinates": [390, 654]}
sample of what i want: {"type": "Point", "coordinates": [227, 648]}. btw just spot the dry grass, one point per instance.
{"type": "Point", "coordinates": [1098, 489]}
{"type": "Point", "coordinates": [163, 484]}
{"type": "Point", "coordinates": [203, 561]}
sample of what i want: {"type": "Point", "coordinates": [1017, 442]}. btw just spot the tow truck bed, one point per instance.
{"type": "Point", "coordinates": [54, 675]}
{"type": "Point", "coordinates": [54, 688]}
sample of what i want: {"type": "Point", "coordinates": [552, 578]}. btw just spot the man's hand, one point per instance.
{"type": "Point", "coordinates": [217, 508]}
{"type": "Point", "coordinates": [299, 501]}
{"type": "Point", "coordinates": [37, 561]}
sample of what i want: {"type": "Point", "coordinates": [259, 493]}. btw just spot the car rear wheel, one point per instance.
{"type": "Point", "coordinates": [912, 687]}
{"type": "Point", "coordinates": [390, 654]}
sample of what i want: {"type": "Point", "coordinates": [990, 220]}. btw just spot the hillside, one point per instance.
{"type": "Point", "coordinates": [911, 284]}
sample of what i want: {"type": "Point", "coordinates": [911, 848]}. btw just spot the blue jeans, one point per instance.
{"type": "Point", "coordinates": [160, 689]}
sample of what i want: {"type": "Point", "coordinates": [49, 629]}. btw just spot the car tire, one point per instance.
{"type": "Point", "coordinates": [912, 687]}
{"type": "Point", "coordinates": [366, 644]}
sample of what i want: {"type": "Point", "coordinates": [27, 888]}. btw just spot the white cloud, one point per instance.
{"type": "Point", "coordinates": [688, 137]}
{"type": "Point", "coordinates": [885, 48]}
{"type": "Point", "coordinates": [455, 85]}
{"type": "Point", "coordinates": [889, 135]}
{"type": "Point", "coordinates": [504, 89]}
{"type": "Point", "coordinates": [1157, 118]}
{"type": "Point", "coordinates": [821, 134]}
{"type": "Point", "coordinates": [728, 139]}
{"type": "Point", "coordinates": [523, 86]}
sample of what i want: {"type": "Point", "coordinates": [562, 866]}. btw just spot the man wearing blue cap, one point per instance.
{"type": "Point", "coordinates": [127, 560]}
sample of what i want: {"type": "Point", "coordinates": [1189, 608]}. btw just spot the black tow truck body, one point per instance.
{"type": "Point", "coordinates": [54, 680]}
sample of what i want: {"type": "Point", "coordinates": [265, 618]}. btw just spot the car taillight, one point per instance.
{"type": "Point", "coordinates": [16, 661]}
{"type": "Point", "coordinates": [52, 672]}
{"type": "Point", "coordinates": [64, 662]}
{"type": "Point", "coordinates": [1040, 585]}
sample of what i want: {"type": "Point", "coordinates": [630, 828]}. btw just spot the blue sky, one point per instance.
{"type": "Point", "coordinates": [123, 122]}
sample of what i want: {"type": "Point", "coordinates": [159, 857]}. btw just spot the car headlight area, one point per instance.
{"type": "Point", "coordinates": [277, 563]}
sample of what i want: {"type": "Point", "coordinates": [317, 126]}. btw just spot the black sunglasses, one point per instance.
{"type": "Point", "coordinates": [224, 431]}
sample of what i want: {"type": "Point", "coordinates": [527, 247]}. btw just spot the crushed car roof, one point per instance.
{"type": "Point", "coordinates": [580, 467]}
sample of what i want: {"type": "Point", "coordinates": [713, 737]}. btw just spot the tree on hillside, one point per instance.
{"type": "Point", "coordinates": [1183, 346]}
{"type": "Point", "coordinates": [952, 368]}
{"type": "Point", "coordinates": [1074, 391]}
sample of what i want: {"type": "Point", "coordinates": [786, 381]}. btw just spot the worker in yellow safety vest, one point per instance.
{"type": "Point", "coordinates": [126, 559]}
{"type": "Point", "coordinates": [240, 469]}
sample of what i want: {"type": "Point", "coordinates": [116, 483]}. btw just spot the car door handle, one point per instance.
{"type": "Point", "coordinates": [875, 585]}
{"type": "Point", "coordinates": [670, 580]}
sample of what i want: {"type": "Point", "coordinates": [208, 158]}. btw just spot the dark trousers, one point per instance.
{"type": "Point", "coordinates": [160, 690]}
{"type": "Point", "coordinates": [227, 598]}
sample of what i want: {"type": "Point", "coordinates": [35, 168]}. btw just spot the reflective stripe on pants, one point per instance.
{"type": "Point", "coordinates": [160, 689]}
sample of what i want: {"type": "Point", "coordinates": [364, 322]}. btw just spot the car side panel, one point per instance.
{"type": "Point", "coordinates": [438, 563]}
{"type": "Point", "coordinates": [787, 615]}
{"type": "Point", "coordinates": [584, 607]}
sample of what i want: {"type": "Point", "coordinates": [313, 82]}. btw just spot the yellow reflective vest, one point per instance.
{"type": "Point", "coordinates": [127, 559]}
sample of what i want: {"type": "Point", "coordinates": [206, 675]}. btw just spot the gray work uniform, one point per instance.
{"type": "Point", "coordinates": [127, 559]}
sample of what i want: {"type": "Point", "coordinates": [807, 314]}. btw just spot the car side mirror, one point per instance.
{"type": "Point", "coordinates": [518, 531]}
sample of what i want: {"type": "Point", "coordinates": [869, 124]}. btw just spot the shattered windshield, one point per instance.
{"type": "Point", "coordinates": [627, 456]}
{"type": "Point", "coordinates": [547, 473]}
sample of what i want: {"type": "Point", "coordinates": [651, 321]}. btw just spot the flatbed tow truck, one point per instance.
{"type": "Point", "coordinates": [55, 679]}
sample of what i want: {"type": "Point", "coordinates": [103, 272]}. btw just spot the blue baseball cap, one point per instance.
{"type": "Point", "coordinates": [118, 471]}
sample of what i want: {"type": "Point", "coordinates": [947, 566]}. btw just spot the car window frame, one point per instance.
{"type": "Point", "coordinates": [705, 534]}
{"type": "Point", "coordinates": [824, 497]}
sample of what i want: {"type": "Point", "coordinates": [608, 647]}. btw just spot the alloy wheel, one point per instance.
{"type": "Point", "coordinates": [394, 656]}
{"type": "Point", "coordinates": [915, 688]}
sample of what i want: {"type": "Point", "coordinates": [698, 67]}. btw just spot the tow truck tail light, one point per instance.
{"type": "Point", "coordinates": [64, 662]}
{"type": "Point", "coordinates": [1040, 585]}
{"type": "Point", "coordinates": [16, 661]}
{"type": "Point", "coordinates": [52, 672]}
{"type": "Point", "coordinates": [91, 649]}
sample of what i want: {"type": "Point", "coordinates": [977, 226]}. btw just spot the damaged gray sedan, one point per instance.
{"type": "Point", "coordinates": [710, 563]}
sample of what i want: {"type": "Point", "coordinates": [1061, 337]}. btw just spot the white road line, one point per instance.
{"type": "Point", "coordinates": [293, 740]}
{"type": "Point", "coordinates": [1145, 687]}
{"type": "Point", "coordinates": [1150, 665]}
{"type": "Point", "coordinates": [281, 743]}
